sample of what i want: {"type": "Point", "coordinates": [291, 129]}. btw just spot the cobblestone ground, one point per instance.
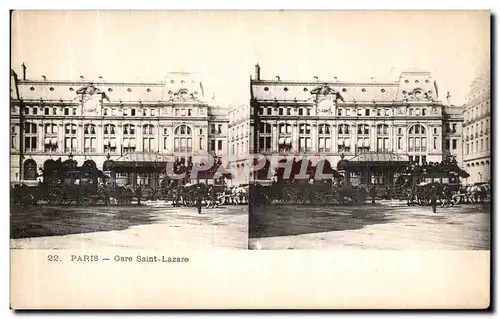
{"type": "Point", "coordinates": [135, 227]}
{"type": "Point", "coordinates": [379, 226]}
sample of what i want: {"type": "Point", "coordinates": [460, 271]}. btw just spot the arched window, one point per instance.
{"type": "Point", "coordinates": [29, 170]}
{"type": "Point", "coordinates": [183, 141]}
{"type": "Point", "coordinates": [70, 138]}
{"type": "Point", "coordinates": [182, 130]}
{"type": "Point", "coordinates": [148, 140]}
{"type": "Point", "coordinates": [417, 139]}
{"type": "Point", "coordinates": [109, 138]}
{"type": "Point", "coordinates": [324, 138]}
{"type": "Point", "coordinates": [90, 138]}
{"type": "Point", "coordinates": [30, 137]}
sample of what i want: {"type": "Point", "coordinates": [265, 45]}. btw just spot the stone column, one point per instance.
{"type": "Point", "coordinates": [274, 138]}
{"type": "Point", "coordinates": [100, 138]}
{"type": "Point", "coordinates": [61, 137]}
{"type": "Point", "coordinates": [79, 138]}
{"type": "Point", "coordinates": [295, 137]}
{"type": "Point", "coordinates": [314, 137]}
{"type": "Point", "coordinates": [41, 140]}
{"type": "Point", "coordinates": [333, 138]}
{"type": "Point", "coordinates": [373, 137]}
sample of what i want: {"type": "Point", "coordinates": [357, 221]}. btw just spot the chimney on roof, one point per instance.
{"type": "Point", "coordinates": [81, 77]}
{"type": "Point", "coordinates": [44, 77]}
{"type": "Point", "coordinates": [24, 70]}
{"type": "Point", "coordinates": [316, 78]}
{"type": "Point", "coordinates": [277, 78]}
{"type": "Point", "coordinates": [257, 72]}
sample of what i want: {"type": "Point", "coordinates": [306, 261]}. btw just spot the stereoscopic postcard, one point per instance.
{"type": "Point", "coordinates": [250, 160]}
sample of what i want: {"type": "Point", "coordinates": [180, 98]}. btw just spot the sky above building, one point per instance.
{"type": "Point", "coordinates": [223, 46]}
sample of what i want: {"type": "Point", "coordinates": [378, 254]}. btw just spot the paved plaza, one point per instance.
{"type": "Point", "coordinates": [388, 225]}
{"type": "Point", "coordinates": [135, 227]}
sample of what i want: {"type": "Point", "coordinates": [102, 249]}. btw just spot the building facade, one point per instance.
{"type": "Point", "coordinates": [477, 130]}
{"type": "Point", "coordinates": [239, 137]}
{"type": "Point", "coordinates": [338, 120]}
{"type": "Point", "coordinates": [94, 119]}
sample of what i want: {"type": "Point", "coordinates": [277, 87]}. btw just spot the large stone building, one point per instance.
{"type": "Point", "coordinates": [94, 119]}
{"type": "Point", "coordinates": [340, 120]}
{"type": "Point", "coordinates": [477, 132]}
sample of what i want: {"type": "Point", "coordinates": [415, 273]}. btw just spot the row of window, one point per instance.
{"type": "Point", "coordinates": [90, 129]}
{"type": "Point", "coordinates": [67, 111]}
{"type": "Point", "coordinates": [477, 111]}
{"type": "Point", "coordinates": [90, 145]}
{"type": "Point", "coordinates": [362, 129]}
{"type": "Point", "coordinates": [477, 146]}
{"type": "Point", "coordinates": [483, 127]}
{"type": "Point", "coordinates": [340, 111]}
{"type": "Point", "coordinates": [415, 144]}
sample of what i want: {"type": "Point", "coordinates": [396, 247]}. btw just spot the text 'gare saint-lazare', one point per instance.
{"type": "Point", "coordinates": [127, 259]}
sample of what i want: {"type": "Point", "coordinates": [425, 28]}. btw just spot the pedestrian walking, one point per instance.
{"type": "Point", "coordinates": [138, 194]}
{"type": "Point", "coordinates": [373, 193]}
{"type": "Point", "coordinates": [434, 198]}
{"type": "Point", "coordinates": [198, 198]}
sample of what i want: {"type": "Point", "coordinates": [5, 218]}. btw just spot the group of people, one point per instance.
{"type": "Point", "coordinates": [434, 194]}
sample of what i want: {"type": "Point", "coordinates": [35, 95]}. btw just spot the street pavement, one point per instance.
{"type": "Point", "coordinates": [388, 225]}
{"type": "Point", "coordinates": [136, 227]}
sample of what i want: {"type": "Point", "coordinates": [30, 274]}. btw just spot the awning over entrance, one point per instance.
{"type": "Point", "coordinates": [139, 160]}
{"type": "Point", "coordinates": [375, 159]}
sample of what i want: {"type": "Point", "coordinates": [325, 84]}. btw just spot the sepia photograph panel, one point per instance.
{"type": "Point", "coordinates": [90, 151]}
{"type": "Point", "coordinates": [396, 160]}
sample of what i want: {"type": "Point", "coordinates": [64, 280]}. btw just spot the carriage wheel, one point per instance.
{"type": "Point", "coordinates": [222, 199]}
{"type": "Point", "coordinates": [54, 196]}
{"type": "Point", "coordinates": [456, 199]}
{"type": "Point", "coordinates": [84, 200]}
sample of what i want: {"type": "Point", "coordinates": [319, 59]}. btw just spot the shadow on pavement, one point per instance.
{"type": "Point", "coordinates": [38, 221]}
{"type": "Point", "coordinates": [281, 220]}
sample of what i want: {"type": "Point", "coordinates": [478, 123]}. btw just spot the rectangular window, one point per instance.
{"type": "Point", "coordinates": [339, 112]}
{"type": "Point", "coordinates": [219, 130]}
{"type": "Point", "coordinates": [435, 144]}
{"type": "Point", "coordinates": [145, 112]}
{"type": "Point", "coordinates": [454, 128]}
{"type": "Point", "coordinates": [447, 145]}
{"type": "Point", "coordinates": [189, 112]}
{"type": "Point", "coordinates": [417, 159]}
{"type": "Point", "coordinates": [54, 111]}
{"type": "Point", "coordinates": [435, 130]}
{"type": "Point", "coordinates": [261, 110]}
{"type": "Point", "coordinates": [13, 142]}
{"type": "Point", "coordinates": [270, 111]}
{"type": "Point", "coordinates": [200, 146]}
{"type": "Point", "coordinates": [132, 112]}
{"type": "Point", "coordinates": [400, 131]}
{"type": "Point", "coordinates": [288, 111]}
{"type": "Point", "coordinates": [26, 110]}
{"type": "Point", "coordinates": [379, 112]}
{"type": "Point", "coordinates": [367, 112]}
{"type": "Point", "coordinates": [308, 111]}
{"type": "Point", "coordinates": [219, 145]}
{"type": "Point", "coordinates": [400, 144]}
{"type": "Point", "coordinates": [47, 111]}
{"type": "Point", "coordinates": [360, 112]}
{"type": "Point", "coordinates": [423, 111]}
{"type": "Point", "coordinates": [125, 112]}
{"type": "Point", "coordinates": [212, 145]}
{"type": "Point", "coordinates": [454, 144]}
{"type": "Point", "coordinates": [212, 128]}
